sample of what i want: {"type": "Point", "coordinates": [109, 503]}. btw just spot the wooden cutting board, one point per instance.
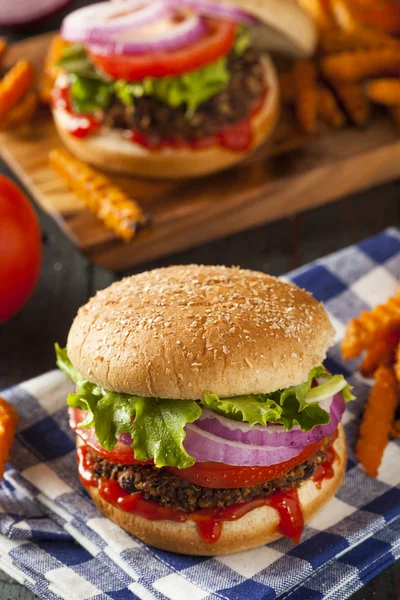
{"type": "Point", "coordinates": [188, 213]}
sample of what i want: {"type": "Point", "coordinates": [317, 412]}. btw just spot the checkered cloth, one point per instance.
{"type": "Point", "coordinates": [54, 541]}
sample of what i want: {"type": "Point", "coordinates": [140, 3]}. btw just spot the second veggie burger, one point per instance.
{"type": "Point", "coordinates": [173, 88]}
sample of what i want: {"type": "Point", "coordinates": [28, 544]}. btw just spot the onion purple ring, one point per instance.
{"type": "Point", "coordinates": [96, 22]}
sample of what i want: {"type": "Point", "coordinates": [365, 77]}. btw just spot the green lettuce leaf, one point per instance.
{"type": "Point", "coordinates": [89, 93]}
{"type": "Point", "coordinates": [254, 409]}
{"type": "Point", "coordinates": [190, 89]}
{"type": "Point", "coordinates": [156, 425]}
{"type": "Point", "coordinates": [158, 430]}
{"type": "Point", "coordinates": [294, 405]}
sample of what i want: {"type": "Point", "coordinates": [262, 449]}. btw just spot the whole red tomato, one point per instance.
{"type": "Point", "coordinates": [20, 249]}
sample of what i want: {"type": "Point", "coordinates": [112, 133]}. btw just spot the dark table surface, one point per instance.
{"type": "Point", "coordinates": [68, 280]}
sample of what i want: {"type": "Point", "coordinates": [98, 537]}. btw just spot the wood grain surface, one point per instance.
{"type": "Point", "coordinates": [188, 213]}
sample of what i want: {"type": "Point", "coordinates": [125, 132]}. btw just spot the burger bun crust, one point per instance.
{"type": "Point", "coordinates": [181, 331]}
{"type": "Point", "coordinates": [256, 528]}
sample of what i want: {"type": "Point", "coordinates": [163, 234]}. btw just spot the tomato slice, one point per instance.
{"type": "Point", "coordinates": [122, 454]}
{"type": "Point", "coordinates": [207, 474]}
{"type": "Point", "coordinates": [218, 475]}
{"type": "Point", "coordinates": [219, 41]}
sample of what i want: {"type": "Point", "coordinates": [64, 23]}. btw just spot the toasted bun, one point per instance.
{"type": "Point", "coordinates": [181, 331]}
{"type": "Point", "coordinates": [256, 528]}
{"type": "Point", "coordinates": [108, 150]}
{"type": "Point", "coordinates": [290, 28]}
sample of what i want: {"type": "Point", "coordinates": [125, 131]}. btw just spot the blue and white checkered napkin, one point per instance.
{"type": "Point", "coordinates": [54, 541]}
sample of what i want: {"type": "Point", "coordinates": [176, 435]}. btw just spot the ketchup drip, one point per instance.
{"type": "Point", "coordinates": [209, 521]}
{"type": "Point", "coordinates": [325, 470]}
{"type": "Point", "coordinates": [79, 125]}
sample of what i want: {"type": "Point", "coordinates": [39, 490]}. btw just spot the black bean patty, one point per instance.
{"type": "Point", "coordinates": [153, 118]}
{"type": "Point", "coordinates": [169, 490]}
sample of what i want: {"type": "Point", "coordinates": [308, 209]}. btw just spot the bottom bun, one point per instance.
{"type": "Point", "coordinates": [256, 528]}
{"type": "Point", "coordinates": [108, 150]}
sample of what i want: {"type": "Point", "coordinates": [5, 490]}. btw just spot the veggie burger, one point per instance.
{"type": "Point", "coordinates": [172, 88]}
{"type": "Point", "coordinates": [206, 423]}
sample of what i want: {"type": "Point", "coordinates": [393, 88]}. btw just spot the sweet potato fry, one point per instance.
{"type": "Point", "coordinates": [343, 14]}
{"type": "Point", "coordinates": [50, 69]}
{"type": "Point", "coordinates": [318, 11]}
{"type": "Point", "coordinates": [14, 85]}
{"type": "Point", "coordinates": [336, 40]}
{"type": "Point", "coordinates": [382, 352]}
{"type": "Point", "coordinates": [3, 49]}
{"type": "Point", "coordinates": [362, 64]}
{"type": "Point", "coordinates": [21, 113]}
{"type": "Point", "coordinates": [109, 203]}
{"type": "Point", "coordinates": [306, 95]}
{"type": "Point", "coordinates": [383, 16]}
{"type": "Point", "coordinates": [377, 420]}
{"type": "Point", "coordinates": [8, 425]}
{"type": "Point", "coordinates": [384, 91]}
{"type": "Point", "coordinates": [371, 326]}
{"type": "Point", "coordinates": [354, 102]}
{"type": "Point", "coordinates": [328, 108]}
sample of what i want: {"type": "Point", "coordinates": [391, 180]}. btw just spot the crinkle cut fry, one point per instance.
{"type": "Point", "coordinates": [14, 85]}
{"type": "Point", "coordinates": [361, 64]}
{"type": "Point", "coordinates": [382, 352]}
{"type": "Point", "coordinates": [306, 95]}
{"type": "Point", "coordinates": [377, 420]}
{"type": "Point", "coordinates": [109, 203]}
{"type": "Point", "coordinates": [370, 326]}
{"type": "Point", "coordinates": [8, 425]}
{"type": "Point", "coordinates": [354, 102]}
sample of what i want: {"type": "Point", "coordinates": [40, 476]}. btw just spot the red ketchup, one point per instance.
{"type": "Point", "coordinates": [77, 124]}
{"type": "Point", "coordinates": [325, 470]}
{"type": "Point", "coordinates": [209, 521]}
{"type": "Point", "coordinates": [237, 137]}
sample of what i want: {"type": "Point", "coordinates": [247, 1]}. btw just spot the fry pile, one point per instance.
{"type": "Point", "coordinates": [119, 213]}
{"type": "Point", "coordinates": [357, 65]}
{"type": "Point", "coordinates": [18, 99]}
{"type": "Point", "coordinates": [8, 425]}
{"type": "Point", "coordinates": [377, 334]}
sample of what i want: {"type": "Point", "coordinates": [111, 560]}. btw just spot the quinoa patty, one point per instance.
{"type": "Point", "coordinates": [168, 490]}
{"type": "Point", "coordinates": [157, 120]}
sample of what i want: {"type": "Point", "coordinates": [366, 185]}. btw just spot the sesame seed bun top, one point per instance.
{"type": "Point", "coordinates": [181, 331]}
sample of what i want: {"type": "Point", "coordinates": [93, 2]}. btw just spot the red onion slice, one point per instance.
{"type": "Point", "coordinates": [226, 12]}
{"type": "Point", "coordinates": [272, 435]}
{"type": "Point", "coordinates": [96, 22]}
{"type": "Point", "coordinates": [206, 447]}
{"type": "Point", "coordinates": [166, 34]}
